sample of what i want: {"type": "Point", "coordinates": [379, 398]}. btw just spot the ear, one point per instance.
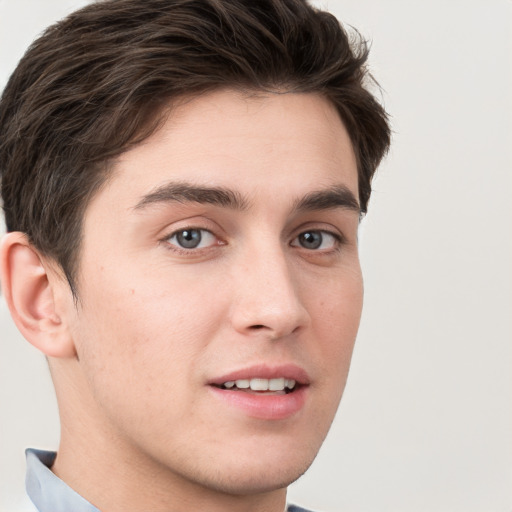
{"type": "Point", "coordinates": [29, 286]}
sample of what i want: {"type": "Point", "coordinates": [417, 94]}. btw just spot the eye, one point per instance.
{"type": "Point", "coordinates": [316, 240]}
{"type": "Point", "coordinates": [192, 238]}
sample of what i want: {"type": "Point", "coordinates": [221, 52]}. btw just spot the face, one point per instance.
{"type": "Point", "coordinates": [220, 291]}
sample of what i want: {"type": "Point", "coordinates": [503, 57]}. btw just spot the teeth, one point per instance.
{"type": "Point", "coordinates": [242, 383]}
{"type": "Point", "coordinates": [276, 384]}
{"type": "Point", "coordinates": [259, 384]}
{"type": "Point", "coordinates": [256, 384]}
{"type": "Point", "coordinates": [290, 383]}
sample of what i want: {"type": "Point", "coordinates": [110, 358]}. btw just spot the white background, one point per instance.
{"type": "Point", "coordinates": [426, 421]}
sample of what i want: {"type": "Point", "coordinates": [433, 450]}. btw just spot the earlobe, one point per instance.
{"type": "Point", "coordinates": [29, 291]}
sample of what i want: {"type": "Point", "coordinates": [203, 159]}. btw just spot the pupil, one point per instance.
{"type": "Point", "coordinates": [311, 240]}
{"type": "Point", "coordinates": [189, 238]}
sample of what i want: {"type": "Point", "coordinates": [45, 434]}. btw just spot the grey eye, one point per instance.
{"type": "Point", "coordinates": [315, 239]}
{"type": "Point", "coordinates": [189, 238]}
{"type": "Point", "coordinates": [192, 238]}
{"type": "Point", "coordinates": [311, 239]}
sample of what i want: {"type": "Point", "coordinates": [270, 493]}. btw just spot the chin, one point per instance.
{"type": "Point", "coordinates": [258, 479]}
{"type": "Point", "coordinates": [268, 470]}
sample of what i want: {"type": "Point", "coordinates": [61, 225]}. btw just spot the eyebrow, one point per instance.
{"type": "Point", "coordinates": [337, 196]}
{"type": "Point", "coordinates": [189, 193]}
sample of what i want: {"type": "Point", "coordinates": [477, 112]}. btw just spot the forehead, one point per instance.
{"type": "Point", "coordinates": [250, 142]}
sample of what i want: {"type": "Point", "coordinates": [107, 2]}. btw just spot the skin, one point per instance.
{"type": "Point", "coordinates": [156, 322]}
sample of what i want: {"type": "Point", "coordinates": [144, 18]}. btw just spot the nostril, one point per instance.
{"type": "Point", "coordinates": [259, 326]}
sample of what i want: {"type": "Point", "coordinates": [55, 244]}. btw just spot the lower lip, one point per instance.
{"type": "Point", "coordinates": [262, 406]}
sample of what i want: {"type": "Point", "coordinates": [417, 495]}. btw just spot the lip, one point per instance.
{"type": "Point", "coordinates": [263, 406]}
{"type": "Point", "coordinates": [263, 371]}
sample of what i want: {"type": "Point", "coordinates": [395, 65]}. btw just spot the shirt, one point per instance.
{"type": "Point", "coordinates": [50, 494]}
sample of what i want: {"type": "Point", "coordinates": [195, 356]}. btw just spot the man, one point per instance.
{"type": "Point", "coordinates": [182, 184]}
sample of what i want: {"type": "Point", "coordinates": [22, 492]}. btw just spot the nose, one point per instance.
{"type": "Point", "coordinates": [267, 301]}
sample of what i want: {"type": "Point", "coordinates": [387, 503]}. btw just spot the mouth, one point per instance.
{"type": "Point", "coordinates": [275, 386]}
{"type": "Point", "coordinates": [263, 392]}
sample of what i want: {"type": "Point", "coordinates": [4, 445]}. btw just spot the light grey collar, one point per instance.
{"type": "Point", "coordinates": [48, 492]}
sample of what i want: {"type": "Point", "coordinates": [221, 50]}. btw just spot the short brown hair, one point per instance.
{"type": "Point", "coordinates": [93, 84]}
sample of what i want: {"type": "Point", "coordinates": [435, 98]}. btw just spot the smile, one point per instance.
{"type": "Point", "coordinates": [280, 384]}
{"type": "Point", "coordinates": [263, 392]}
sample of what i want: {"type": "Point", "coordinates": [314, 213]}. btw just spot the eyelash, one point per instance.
{"type": "Point", "coordinates": [188, 251]}
{"type": "Point", "coordinates": [337, 240]}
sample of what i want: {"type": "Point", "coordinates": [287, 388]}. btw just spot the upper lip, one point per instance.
{"type": "Point", "coordinates": [264, 371]}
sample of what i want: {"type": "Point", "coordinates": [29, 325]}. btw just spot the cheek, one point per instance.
{"type": "Point", "coordinates": [139, 352]}
{"type": "Point", "coordinates": [338, 300]}
{"type": "Point", "coordinates": [130, 332]}
{"type": "Point", "coordinates": [336, 316]}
